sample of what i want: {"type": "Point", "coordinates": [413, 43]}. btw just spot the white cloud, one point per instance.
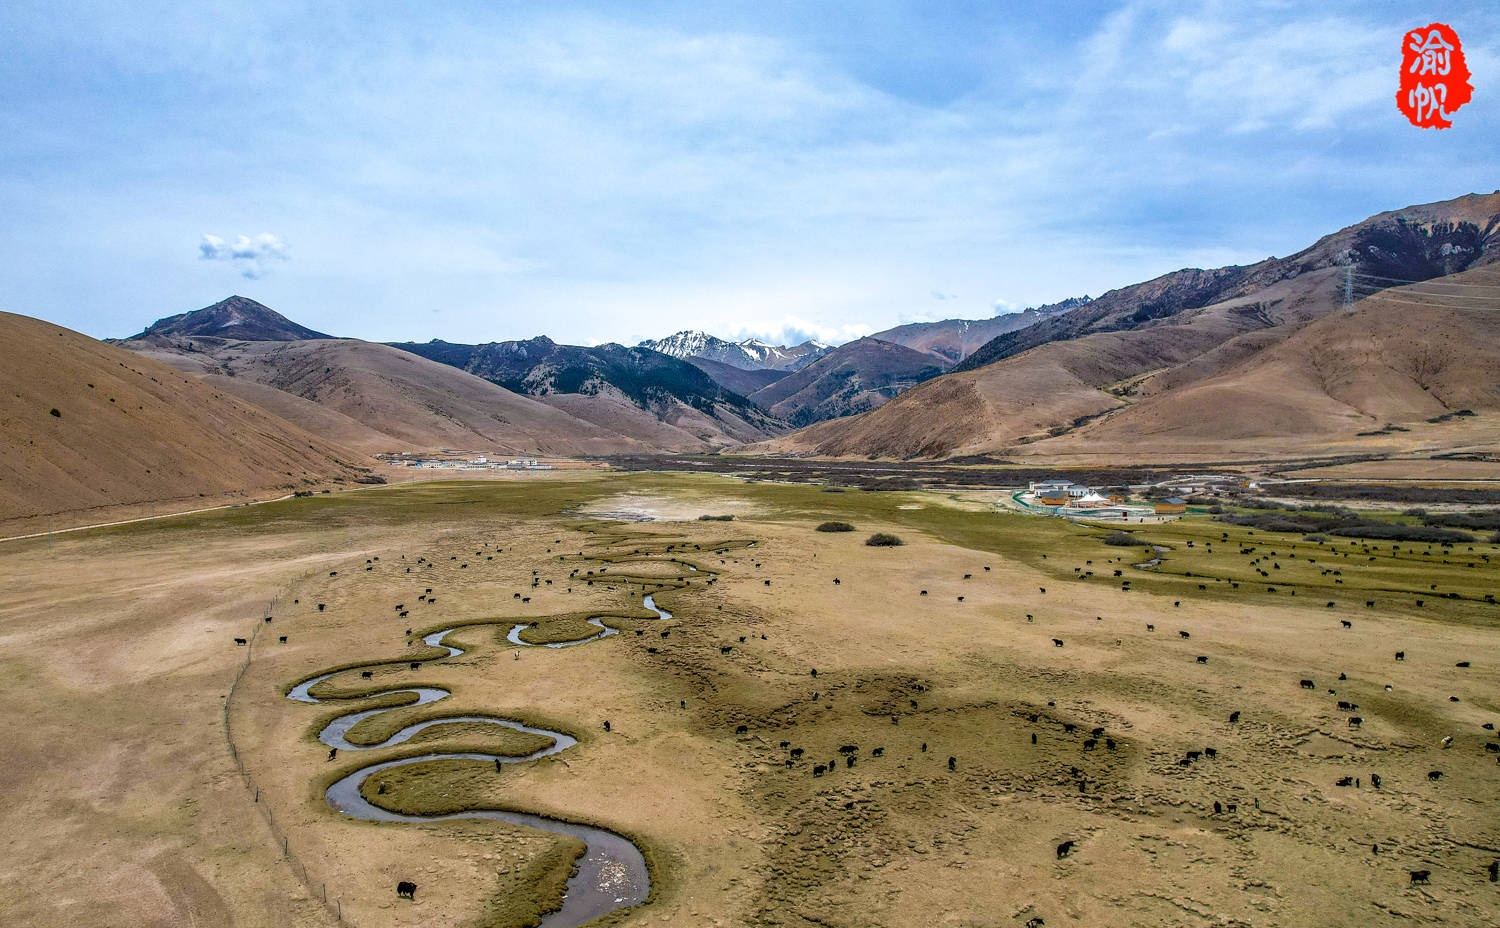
{"type": "Point", "coordinates": [792, 330]}
{"type": "Point", "coordinates": [609, 175]}
{"type": "Point", "coordinates": [250, 255]}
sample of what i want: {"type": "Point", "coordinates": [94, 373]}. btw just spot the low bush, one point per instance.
{"type": "Point", "coordinates": [1124, 540]}
{"type": "Point", "coordinates": [883, 540]}
{"type": "Point", "coordinates": [716, 518]}
{"type": "Point", "coordinates": [1472, 520]}
{"type": "Point", "coordinates": [1345, 526]}
{"type": "Point", "coordinates": [835, 527]}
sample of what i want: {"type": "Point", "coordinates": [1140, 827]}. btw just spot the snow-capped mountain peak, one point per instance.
{"type": "Point", "coordinates": [749, 354]}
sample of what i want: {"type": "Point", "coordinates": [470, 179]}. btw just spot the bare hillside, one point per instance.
{"type": "Point", "coordinates": [85, 426]}
{"type": "Point", "coordinates": [1053, 378]}
{"type": "Point", "coordinates": [418, 403]}
{"type": "Point", "coordinates": [1409, 369]}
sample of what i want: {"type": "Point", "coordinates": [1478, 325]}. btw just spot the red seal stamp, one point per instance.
{"type": "Point", "coordinates": [1434, 77]}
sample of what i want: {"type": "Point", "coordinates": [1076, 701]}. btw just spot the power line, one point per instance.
{"type": "Point", "coordinates": [1446, 296]}
{"type": "Point", "coordinates": [1432, 280]}
{"type": "Point", "coordinates": [1396, 299]}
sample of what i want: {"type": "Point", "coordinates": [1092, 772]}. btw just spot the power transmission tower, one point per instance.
{"type": "Point", "coordinates": [1348, 287]}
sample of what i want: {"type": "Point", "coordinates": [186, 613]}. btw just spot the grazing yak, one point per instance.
{"type": "Point", "coordinates": [1420, 876]}
{"type": "Point", "coordinates": [406, 890]}
{"type": "Point", "coordinates": [1064, 849]}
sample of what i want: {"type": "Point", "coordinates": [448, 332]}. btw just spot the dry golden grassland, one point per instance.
{"type": "Point", "coordinates": [128, 807]}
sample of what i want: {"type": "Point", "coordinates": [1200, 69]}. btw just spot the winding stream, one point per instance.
{"type": "Point", "coordinates": [612, 872]}
{"type": "Point", "coordinates": [514, 635]}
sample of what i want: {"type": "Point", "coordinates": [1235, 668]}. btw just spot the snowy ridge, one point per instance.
{"type": "Point", "coordinates": [750, 354]}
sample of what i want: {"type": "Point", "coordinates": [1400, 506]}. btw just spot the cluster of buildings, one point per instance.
{"type": "Point", "coordinates": [1074, 500]}
{"type": "Point", "coordinates": [450, 460]}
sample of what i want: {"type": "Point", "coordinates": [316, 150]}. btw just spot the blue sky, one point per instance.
{"type": "Point", "coordinates": [617, 171]}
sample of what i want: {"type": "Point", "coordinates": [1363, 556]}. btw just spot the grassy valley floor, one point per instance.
{"type": "Point", "coordinates": [961, 744]}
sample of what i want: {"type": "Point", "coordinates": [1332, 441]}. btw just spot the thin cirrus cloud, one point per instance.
{"type": "Point", "coordinates": [250, 255]}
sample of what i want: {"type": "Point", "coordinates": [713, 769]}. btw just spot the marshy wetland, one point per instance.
{"type": "Point", "coordinates": [794, 729]}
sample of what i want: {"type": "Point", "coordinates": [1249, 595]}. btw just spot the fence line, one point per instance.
{"type": "Point", "coordinates": [335, 906]}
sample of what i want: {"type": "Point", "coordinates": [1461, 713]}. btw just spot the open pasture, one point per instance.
{"type": "Point", "coordinates": [1001, 720]}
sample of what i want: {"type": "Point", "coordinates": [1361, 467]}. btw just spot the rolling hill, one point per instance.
{"type": "Point", "coordinates": [636, 391]}
{"type": "Point", "coordinates": [379, 398]}
{"type": "Point", "coordinates": [1410, 368]}
{"type": "Point", "coordinates": [852, 378]}
{"type": "Point", "coordinates": [737, 379]}
{"type": "Point", "coordinates": [952, 340]}
{"type": "Point", "coordinates": [1056, 376]}
{"type": "Point", "coordinates": [86, 426]}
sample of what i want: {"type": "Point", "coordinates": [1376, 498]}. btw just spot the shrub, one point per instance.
{"type": "Point", "coordinates": [1470, 520]}
{"type": "Point", "coordinates": [883, 540]}
{"type": "Point", "coordinates": [56, 413]}
{"type": "Point", "coordinates": [1344, 525]}
{"type": "Point", "coordinates": [716, 518]}
{"type": "Point", "coordinates": [835, 527]}
{"type": "Point", "coordinates": [1124, 540]}
{"type": "Point", "coordinates": [833, 489]}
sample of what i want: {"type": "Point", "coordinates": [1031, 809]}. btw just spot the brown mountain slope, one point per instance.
{"type": "Point", "coordinates": [235, 317]}
{"type": "Point", "coordinates": [851, 378]}
{"type": "Point", "coordinates": [131, 430]}
{"type": "Point", "coordinates": [691, 411]}
{"type": "Point", "coordinates": [1052, 377]}
{"type": "Point", "coordinates": [314, 417]}
{"type": "Point", "coordinates": [419, 403]}
{"type": "Point", "coordinates": [1402, 357]}
{"type": "Point", "coordinates": [1414, 243]}
{"type": "Point", "coordinates": [1054, 386]}
{"type": "Point", "coordinates": [737, 379]}
{"type": "Point", "coordinates": [952, 340]}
